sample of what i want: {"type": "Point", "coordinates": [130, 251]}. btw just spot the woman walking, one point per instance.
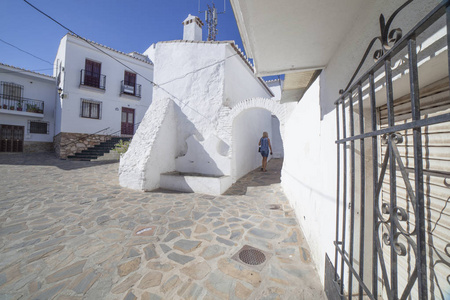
{"type": "Point", "coordinates": [265, 145]}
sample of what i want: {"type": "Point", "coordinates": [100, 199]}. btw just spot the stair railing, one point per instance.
{"type": "Point", "coordinates": [81, 139]}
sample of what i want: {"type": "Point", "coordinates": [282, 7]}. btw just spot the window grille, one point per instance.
{"type": "Point", "coordinates": [38, 127]}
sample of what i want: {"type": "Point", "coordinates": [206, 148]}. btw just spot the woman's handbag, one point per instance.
{"type": "Point", "coordinates": [259, 149]}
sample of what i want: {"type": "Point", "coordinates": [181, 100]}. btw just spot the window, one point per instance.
{"type": "Point", "coordinates": [90, 109]}
{"type": "Point", "coordinates": [92, 73]}
{"type": "Point", "coordinates": [38, 127]}
{"type": "Point", "coordinates": [129, 83]}
{"type": "Point", "coordinates": [12, 91]}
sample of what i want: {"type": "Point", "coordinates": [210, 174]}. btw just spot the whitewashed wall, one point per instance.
{"type": "Point", "coordinates": [194, 76]}
{"type": "Point", "coordinates": [248, 127]}
{"type": "Point", "coordinates": [240, 81]}
{"type": "Point", "coordinates": [35, 87]}
{"type": "Point", "coordinates": [309, 170]}
{"type": "Point", "coordinates": [152, 150]}
{"type": "Point", "coordinates": [275, 138]}
{"type": "Point", "coordinates": [73, 53]}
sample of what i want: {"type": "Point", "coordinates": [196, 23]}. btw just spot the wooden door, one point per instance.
{"type": "Point", "coordinates": [11, 138]}
{"type": "Point", "coordinates": [127, 127]}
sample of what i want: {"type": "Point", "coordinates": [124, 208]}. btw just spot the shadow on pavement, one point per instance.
{"type": "Point", "coordinates": [258, 178]}
{"type": "Point", "coordinates": [46, 159]}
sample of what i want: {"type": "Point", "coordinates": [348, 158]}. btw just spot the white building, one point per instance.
{"type": "Point", "coordinates": [203, 125]}
{"type": "Point", "coordinates": [27, 110]}
{"type": "Point", "coordinates": [102, 92]}
{"type": "Point", "coordinates": [303, 39]}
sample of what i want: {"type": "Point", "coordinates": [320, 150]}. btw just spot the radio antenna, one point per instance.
{"type": "Point", "coordinates": [211, 19]}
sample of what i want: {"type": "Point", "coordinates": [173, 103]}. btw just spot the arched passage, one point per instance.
{"type": "Point", "coordinates": [242, 126]}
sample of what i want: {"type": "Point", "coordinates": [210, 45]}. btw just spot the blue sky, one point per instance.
{"type": "Point", "coordinates": [125, 25]}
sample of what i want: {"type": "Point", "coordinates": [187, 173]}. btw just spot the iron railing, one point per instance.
{"type": "Point", "coordinates": [130, 89]}
{"type": "Point", "coordinates": [348, 278]}
{"type": "Point", "coordinates": [21, 104]}
{"type": "Point", "coordinates": [92, 79]}
{"type": "Point", "coordinates": [106, 133]}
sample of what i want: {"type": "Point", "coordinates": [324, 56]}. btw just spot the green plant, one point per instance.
{"type": "Point", "coordinates": [122, 147]}
{"type": "Point", "coordinates": [32, 108]}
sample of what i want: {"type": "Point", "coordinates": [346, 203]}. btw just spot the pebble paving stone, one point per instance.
{"type": "Point", "coordinates": [69, 231]}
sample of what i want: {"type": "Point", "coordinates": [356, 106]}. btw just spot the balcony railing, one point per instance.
{"type": "Point", "coordinates": [134, 90]}
{"type": "Point", "coordinates": [21, 104]}
{"type": "Point", "coordinates": [88, 78]}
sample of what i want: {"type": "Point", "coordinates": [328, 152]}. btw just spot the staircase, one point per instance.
{"type": "Point", "coordinates": [93, 153]}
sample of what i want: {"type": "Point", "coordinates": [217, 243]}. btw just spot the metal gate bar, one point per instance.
{"type": "Point", "coordinates": [387, 216]}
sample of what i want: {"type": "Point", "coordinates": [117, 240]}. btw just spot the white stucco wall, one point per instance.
{"type": "Point", "coordinates": [35, 87]}
{"type": "Point", "coordinates": [194, 76]}
{"type": "Point", "coordinates": [73, 53]}
{"type": "Point", "coordinates": [241, 82]}
{"type": "Point", "coordinates": [248, 127]}
{"type": "Point", "coordinates": [275, 138]}
{"type": "Point", "coordinates": [152, 150]}
{"type": "Point", "coordinates": [309, 170]}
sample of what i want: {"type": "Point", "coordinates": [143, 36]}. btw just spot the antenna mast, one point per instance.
{"type": "Point", "coordinates": [211, 19]}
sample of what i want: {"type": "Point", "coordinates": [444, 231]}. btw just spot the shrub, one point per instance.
{"type": "Point", "coordinates": [122, 147]}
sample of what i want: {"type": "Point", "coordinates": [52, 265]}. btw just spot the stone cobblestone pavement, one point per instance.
{"type": "Point", "coordinates": [69, 231]}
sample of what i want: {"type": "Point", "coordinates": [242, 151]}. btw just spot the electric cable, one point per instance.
{"type": "Point", "coordinates": [123, 64]}
{"type": "Point", "coordinates": [26, 52]}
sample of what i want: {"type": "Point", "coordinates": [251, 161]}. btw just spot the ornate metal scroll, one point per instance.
{"type": "Point", "coordinates": [387, 38]}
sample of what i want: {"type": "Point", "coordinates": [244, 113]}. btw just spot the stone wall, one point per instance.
{"type": "Point", "coordinates": [67, 143]}
{"type": "Point", "coordinates": [34, 147]}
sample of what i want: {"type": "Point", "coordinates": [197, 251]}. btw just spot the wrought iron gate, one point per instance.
{"type": "Point", "coordinates": [366, 226]}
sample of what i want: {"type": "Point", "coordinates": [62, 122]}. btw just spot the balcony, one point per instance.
{"type": "Point", "coordinates": [21, 106]}
{"type": "Point", "coordinates": [91, 79]}
{"type": "Point", "coordinates": [132, 90]}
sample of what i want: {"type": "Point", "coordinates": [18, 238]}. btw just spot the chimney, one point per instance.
{"type": "Point", "coordinates": [192, 28]}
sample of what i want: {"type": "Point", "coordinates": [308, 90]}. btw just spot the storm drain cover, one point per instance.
{"type": "Point", "coordinates": [274, 206]}
{"type": "Point", "coordinates": [251, 256]}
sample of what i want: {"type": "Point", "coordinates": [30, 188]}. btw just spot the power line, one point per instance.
{"type": "Point", "coordinates": [26, 71]}
{"type": "Point", "coordinates": [26, 52]}
{"type": "Point", "coordinates": [101, 50]}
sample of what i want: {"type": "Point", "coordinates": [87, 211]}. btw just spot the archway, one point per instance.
{"type": "Point", "coordinates": [247, 129]}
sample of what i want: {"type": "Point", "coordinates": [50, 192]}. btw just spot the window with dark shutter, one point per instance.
{"type": "Point", "coordinates": [38, 127]}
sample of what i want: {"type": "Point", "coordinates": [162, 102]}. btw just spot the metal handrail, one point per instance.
{"type": "Point", "coordinates": [88, 78]}
{"type": "Point", "coordinates": [78, 140]}
{"type": "Point", "coordinates": [115, 133]}
{"type": "Point", "coordinates": [126, 89]}
{"type": "Point", "coordinates": [21, 104]}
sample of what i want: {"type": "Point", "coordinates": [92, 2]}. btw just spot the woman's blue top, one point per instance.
{"type": "Point", "coordinates": [264, 144]}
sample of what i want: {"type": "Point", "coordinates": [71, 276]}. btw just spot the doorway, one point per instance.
{"type": "Point", "coordinates": [127, 126]}
{"type": "Point", "coordinates": [11, 138]}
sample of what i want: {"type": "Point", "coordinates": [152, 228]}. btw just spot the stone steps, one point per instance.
{"type": "Point", "coordinates": [100, 150]}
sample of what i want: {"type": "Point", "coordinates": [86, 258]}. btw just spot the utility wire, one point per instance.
{"type": "Point", "coordinates": [26, 52]}
{"type": "Point", "coordinates": [26, 71]}
{"type": "Point", "coordinates": [137, 73]}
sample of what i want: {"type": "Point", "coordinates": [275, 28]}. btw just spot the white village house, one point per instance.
{"type": "Point", "coordinates": [95, 94]}
{"type": "Point", "coordinates": [100, 93]}
{"type": "Point", "coordinates": [198, 134]}
{"type": "Point", "coordinates": [27, 109]}
{"type": "Point", "coordinates": [387, 224]}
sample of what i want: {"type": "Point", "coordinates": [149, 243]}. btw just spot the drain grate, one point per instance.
{"type": "Point", "coordinates": [251, 256]}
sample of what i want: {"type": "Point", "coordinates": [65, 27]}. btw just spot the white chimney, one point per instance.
{"type": "Point", "coordinates": [192, 28]}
